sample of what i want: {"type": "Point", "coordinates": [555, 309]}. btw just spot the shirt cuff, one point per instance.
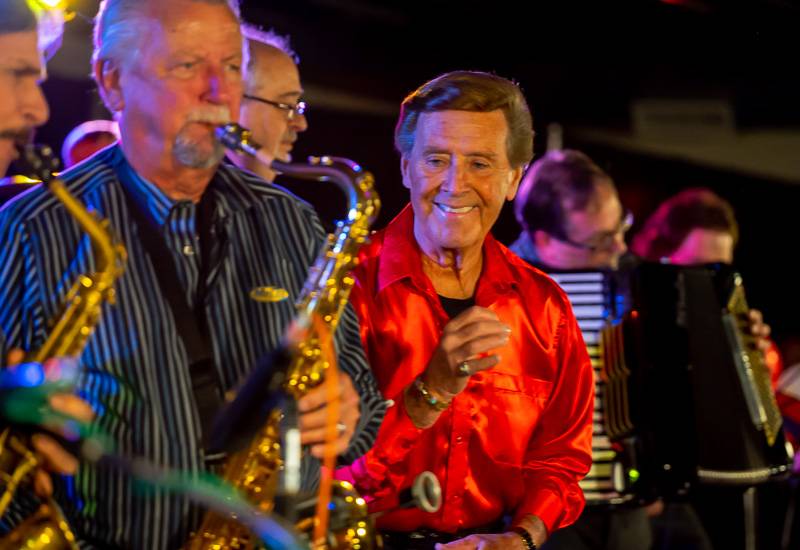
{"type": "Point", "coordinates": [550, 507]}
{"type": "Point", "coordinates": [398, 433]}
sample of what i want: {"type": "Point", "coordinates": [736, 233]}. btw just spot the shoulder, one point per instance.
{"type": "Point", "coordinates": [531, 279]}
{"type": "Point", "coordinates": [81, 181]}
{"type": "Point", "coordinates": [527, 273]}
{"type": "Point", "coordinates": [250, 188]}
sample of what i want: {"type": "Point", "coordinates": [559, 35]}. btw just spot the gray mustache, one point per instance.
{"type": "Point", "coordinates": [210, 115]}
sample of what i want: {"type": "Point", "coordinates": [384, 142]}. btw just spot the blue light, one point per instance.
{"type": "Point", "coordinates": [25, 375]}
{"type": "Point", "coordinates": [31, 374]}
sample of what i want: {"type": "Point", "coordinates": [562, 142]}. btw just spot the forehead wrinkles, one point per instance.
{"type": "Point", "coordinates": [171, 30]}
{"type": "Point", "coordinates": [463, 131]}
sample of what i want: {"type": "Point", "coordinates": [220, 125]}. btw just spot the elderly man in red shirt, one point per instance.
{"type": "Point", "coordinates": [480, 353]}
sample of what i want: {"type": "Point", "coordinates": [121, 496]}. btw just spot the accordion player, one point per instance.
{"type": "Point", "coordinates": [684, 394]}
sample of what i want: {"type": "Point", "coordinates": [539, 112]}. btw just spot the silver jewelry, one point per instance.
{"type": "Point", "coordinates": [341, 427]}
{"type": "Point", "coordinates": [463, 369]}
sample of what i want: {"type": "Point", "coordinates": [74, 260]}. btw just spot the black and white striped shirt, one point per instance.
{"type": "Point", "coordinates": [134, 369]}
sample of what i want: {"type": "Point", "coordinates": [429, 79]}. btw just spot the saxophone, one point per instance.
{"type": "Point", "coordinates": [48, 528]}
{"type": "Point", "coordinates": [254, 470]}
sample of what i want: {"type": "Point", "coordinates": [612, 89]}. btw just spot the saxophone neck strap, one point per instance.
{"type": "Point", "coordinates": [192, 326]}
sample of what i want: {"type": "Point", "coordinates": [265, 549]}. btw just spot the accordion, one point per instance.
{"type": "Point", "coordinates": [686, 395]}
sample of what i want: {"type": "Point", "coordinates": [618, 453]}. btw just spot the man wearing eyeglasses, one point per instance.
{"type": "Point", "coordinates": [571, 215]}
{"type": "Point", "coordinates": [271, 107]}
{"type": "Point", "coordinates": [572, 219]}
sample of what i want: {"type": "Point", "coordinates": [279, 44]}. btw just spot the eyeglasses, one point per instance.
{"type": "Point", "coordinates": [604, 241]}
{"type": "Point", "coordinates": [291, 110]}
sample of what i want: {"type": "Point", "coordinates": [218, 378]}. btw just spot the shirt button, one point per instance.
{"type": "Point", "coordinates": [188, 250]}
{"type": "Point", "coordinates": [459, 439]}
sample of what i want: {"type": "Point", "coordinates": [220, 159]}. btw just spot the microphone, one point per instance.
{"type": "Point", "coordinates": [262, 392]}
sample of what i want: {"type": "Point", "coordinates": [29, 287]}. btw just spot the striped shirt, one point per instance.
{"type": "Point", "coordinates": [587, 296]}
{"type": "Point", "coordinates": [134, 368]}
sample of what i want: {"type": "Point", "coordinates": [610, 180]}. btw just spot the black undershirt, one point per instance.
{"type": "Point", "coordinates": [454, 306]}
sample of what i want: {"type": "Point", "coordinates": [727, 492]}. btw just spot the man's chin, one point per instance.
{"type": "Point", "coordinates": [7, 155]}
{"type": "Point", "coordinates": [194, 155]}
{"type": "Point", "coordinates": [284, 156]}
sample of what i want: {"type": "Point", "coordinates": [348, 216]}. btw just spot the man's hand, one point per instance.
{"type": "Point", "coordinates": [54, 458]}
{"type": "Point", "coordinates": [500, 541]}
{"type": "Point", "coordinates": [468, 345]}
{"type": "Point", "coordinates": [759, 330]}
{"type": "Point", "coordinates": [471, 337]}
{"type": "Point", "coordinates": [313, 409]}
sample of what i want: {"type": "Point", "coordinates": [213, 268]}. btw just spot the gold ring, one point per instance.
{"type": "Point", "coordinates": [463, 369]}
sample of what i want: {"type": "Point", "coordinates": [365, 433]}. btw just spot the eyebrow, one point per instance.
{"type": "Point", "coordinates": [26, 71]}
{"type": "Point", "coordinates": [440, 151]}
{"type": "Point", "coordinates": [22, 67]}
{"type": "Point", "coordinates": [294, 94]}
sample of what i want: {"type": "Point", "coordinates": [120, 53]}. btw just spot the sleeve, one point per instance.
{"type": "Point", "coordinates": [559, 453]}
{"type": "Point", "coordinates": [13, 275]}
{"type": "Point", "coordinates": [17, 314]}
{"type": "Point", "coordinates": [372, 405]}
{"type": "Point", "coordinates": [379, 473]}
{"type": "Point", "coordinates": [352, 360]}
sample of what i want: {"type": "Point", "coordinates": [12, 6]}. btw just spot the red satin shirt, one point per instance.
{"type": "Point", "coordinates": [518, 438]}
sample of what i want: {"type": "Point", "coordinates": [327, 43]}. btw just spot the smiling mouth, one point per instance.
{"type": "Point", "coordinates": [453, 210]}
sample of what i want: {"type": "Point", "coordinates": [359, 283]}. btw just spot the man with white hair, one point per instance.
{"type": "Point", "coordinates": [271, 106]}
{"type": "Point", "coordinates": [200, 236]}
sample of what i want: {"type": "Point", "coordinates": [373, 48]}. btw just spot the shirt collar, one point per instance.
{"type": "Point", "coordinates": [401, 258]}
{"type": "Point", "coordinates": [232, 194]}
{"type": "Point", "coordinates": [156, 203]}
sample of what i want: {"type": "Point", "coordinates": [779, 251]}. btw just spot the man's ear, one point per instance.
{"type": "Point", "coordinates": [516, 176]}
{"type": "Point", "coordinates": [404, 162]}
{"type": "Point", "coordinates": [106, 74]}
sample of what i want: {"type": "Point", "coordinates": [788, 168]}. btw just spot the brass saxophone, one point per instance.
{"type": "Point", "coordinates": [48, 528]}
{"type": "Point", "coordinates": [254, 470]}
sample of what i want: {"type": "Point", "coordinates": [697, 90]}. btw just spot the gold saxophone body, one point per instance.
{"type": "Point", "coordinates": [254, 470]}
{"type": "Point", "coordinates": [48, 528]}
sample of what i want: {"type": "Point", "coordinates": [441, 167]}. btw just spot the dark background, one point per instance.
{"type": "Point", "coordinates": [581, 65]}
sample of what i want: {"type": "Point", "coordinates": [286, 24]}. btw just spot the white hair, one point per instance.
{"type": "Point", "coordinates": [269, 38]}
{"type": "Point", "coordinates": [120, 27]}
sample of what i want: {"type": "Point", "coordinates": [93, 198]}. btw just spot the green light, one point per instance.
{"type": "Point", "coordinates": [633, 475]}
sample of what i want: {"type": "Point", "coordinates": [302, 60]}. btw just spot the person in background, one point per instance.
{"type": "Point", "coordinates": [572, 219]}
{"type": "Point", "coordinates": [86, 139]}
{"type": "Point", "coordinates": [271, 107]}
{"type": "Point", "coordinates": [695, 227]}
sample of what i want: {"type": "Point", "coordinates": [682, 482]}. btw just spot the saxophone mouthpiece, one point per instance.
{"type": "Point", "coordinates": [239, 139]}
{"type": "Point", "coordinates": [236, 138]}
